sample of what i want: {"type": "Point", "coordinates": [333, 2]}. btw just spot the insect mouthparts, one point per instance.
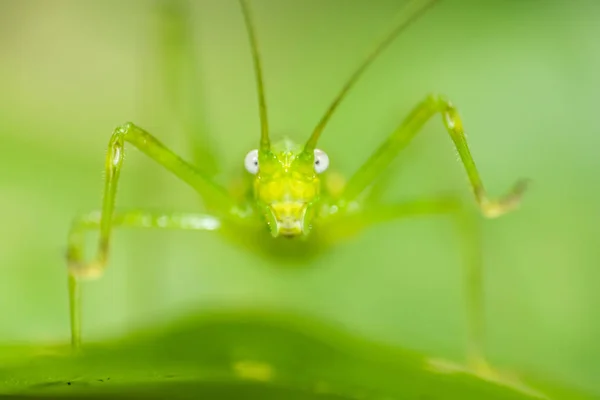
{"type": "Point", "coordinates": [289, 217]}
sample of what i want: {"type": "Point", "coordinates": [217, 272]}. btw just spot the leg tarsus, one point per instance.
{"type": "Point", "coordinates": [506, 204]}
{"type": "Point", "coordinates": [89, 271]}
{"type": "Point", "coordinates": [77, 266]}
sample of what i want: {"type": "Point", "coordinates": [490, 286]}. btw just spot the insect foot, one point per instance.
{"type": "Point", "coordinates": [88, 271]}
{"type": "Point", "coordinates": [510, 202]}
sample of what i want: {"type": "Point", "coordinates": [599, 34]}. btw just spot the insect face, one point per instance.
{"type": "Point", "coordinates": [287, 186]}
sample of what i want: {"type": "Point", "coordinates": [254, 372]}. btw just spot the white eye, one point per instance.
{"type": "Point", "coordinates": [251, 162]}
{"type": "Point", "coordinates": [321, 161]}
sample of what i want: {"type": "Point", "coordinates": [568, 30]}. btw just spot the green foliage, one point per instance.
{"type": "Point", "coordinates": [240, 355]}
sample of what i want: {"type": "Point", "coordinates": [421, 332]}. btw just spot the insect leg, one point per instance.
{"type": "Point", "coordinates": [208, 189]}
{"type": "Point", "coordinates": [339, 228]}
{"type": "Point", "coordinates": [136, 219]}
{"type": "Point", "coordinates": [180, 73]}
{"type": "Point", "coordinates": [400, 138]}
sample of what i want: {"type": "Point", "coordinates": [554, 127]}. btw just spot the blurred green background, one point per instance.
{"type": "Point", "coordinates": [523, 73]}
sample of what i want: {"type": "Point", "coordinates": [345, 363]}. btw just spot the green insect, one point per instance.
{"type": "Point", "coordinates": [289, 196]}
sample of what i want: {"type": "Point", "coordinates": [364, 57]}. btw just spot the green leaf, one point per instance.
{"type": "Point", "coordinates": [245, 355]}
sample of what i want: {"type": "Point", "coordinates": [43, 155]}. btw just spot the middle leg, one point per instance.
{"type": "Point", "coordinates": [344, 226]}
{"type": "Point", "coordinates": [466, 225]}
{"type": "Point", "coordinates": [131, 219]}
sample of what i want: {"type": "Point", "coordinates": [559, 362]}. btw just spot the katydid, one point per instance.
{"type": "Point", "coordinates": [288, 197]}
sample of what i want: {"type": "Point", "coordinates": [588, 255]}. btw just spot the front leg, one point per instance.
{"type": "Point", "coordinates": [400, 138]}
{"type": "Point", "coordinates": [212, 193]}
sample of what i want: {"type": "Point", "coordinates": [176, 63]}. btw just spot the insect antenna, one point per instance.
{"type": "Point", "coordinates": [410, 13]}
{"type": "Point", "coordinates": [262, 104]}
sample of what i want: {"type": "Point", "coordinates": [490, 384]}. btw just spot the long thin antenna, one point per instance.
{"type": "Point", "coordinates": [410, 14]}
{"type": "Point", "coordinates": [262, 104]}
